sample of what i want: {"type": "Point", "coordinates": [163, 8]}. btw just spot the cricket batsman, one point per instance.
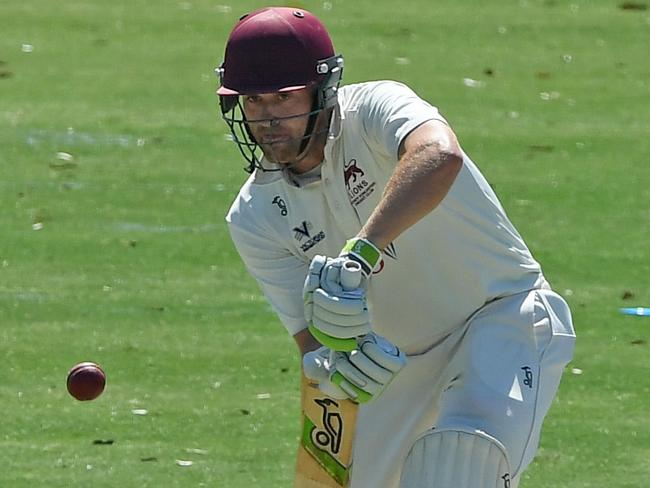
{"type": "Point", "coordinates": [453, 343]}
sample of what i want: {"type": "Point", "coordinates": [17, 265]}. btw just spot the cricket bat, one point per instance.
{"type": "Point", "coordinates": [328, 425]}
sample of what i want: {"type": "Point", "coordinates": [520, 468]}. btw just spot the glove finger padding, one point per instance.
{"type": "Point", "coordinates": [315, 364]}
{"type": "Point", "coordinates": [365, 372]}
{"type": "Point", "coordinates": [347, 303]}
{"type": "Point", "coordinates": [317, 264]}
{"type": "Point", "coordinates": [325, 273]}
{"type": "Point", "coordinates": [316, 367]}
{"type": "Point", "coordinates": [312, 282]}
{"type": "Point", "coordinates": [331, 277]}
{"type": "Point", "coordinates": [370, 368]}
{"type": "Point", "coordinates": [353, 392]}
{"type": "Point", "coordinates": [326, 315]}
{"type": "Point", "coordinates": [359, 378]}
{"type": "Point", "coordinates": [383, 352]}
{"type": "Point", "coordinates": [337, 317]}
{"type": "Point", "coordinates": [323, 280]}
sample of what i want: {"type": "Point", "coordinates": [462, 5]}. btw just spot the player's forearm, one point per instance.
{"type": "Point", "coordinates": [306, 341]}
{"type": "Point", "coordinates": [421, 180]}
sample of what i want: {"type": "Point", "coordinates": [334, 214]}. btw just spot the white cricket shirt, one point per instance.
{"type": "Point", "coordinates": [462, 255]}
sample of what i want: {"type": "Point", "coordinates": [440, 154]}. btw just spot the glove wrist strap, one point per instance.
{"type": "Point", "coordinates": [363, 251]}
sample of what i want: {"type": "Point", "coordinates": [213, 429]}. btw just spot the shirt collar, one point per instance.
{"type": "Point", "coordinates": [302, 179]}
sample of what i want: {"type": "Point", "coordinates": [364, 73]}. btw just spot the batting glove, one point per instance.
{"type": "Point", "coordinates": [317, 367]}
{"type": "Point", "coordinates": [336, 316]}
{"type": "Point", "coordinates": [359, 375]}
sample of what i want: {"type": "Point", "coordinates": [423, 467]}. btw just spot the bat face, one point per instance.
{"type": "Point", "coordinates": [325, 454]}
{"type": "Point", "coordinates": [322, 437]}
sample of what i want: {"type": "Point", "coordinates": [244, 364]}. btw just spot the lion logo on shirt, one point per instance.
{"type": "Point", "coordinates": [356, 182]}
{"type": "Point", "coordinates": [352, 172]}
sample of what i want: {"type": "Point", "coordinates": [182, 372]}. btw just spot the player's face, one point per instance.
{"type": "Point", "coordinates": [278, 122]}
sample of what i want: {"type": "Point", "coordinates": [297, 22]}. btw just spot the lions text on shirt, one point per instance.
{"type": "Point", "coordinates": [435, 275]}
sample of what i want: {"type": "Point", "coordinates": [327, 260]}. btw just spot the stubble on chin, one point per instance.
{"type": "Point", "coordinates": [280, 153]}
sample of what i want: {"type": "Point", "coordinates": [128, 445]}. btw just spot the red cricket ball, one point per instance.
{"type": "Point", "coordinates": [86, 381]}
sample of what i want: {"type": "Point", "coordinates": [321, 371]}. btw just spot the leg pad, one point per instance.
{"type": "Point", "coordinates": [456, 458]}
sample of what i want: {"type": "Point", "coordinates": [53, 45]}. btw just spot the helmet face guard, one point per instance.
{"type": "Point", "coordinates": [325, 98]}
{"type": "Point", "coordinates": [278, 50]}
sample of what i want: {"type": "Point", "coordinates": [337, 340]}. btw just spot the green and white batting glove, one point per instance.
{"type": "Point", "coordinates": [335, 310]}
{"type": "Point", "coordinates": [359, 375]}
{"type": "Point", "coordinates": [336, 316]}
{"type": "Point", "coordinates": [317, 367]}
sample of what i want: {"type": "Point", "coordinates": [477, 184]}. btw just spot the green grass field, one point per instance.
{"type": "Point", "coordinates": [119, 252]}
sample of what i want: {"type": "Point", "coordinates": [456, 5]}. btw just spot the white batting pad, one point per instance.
{"type": "Point", "coordinates": [456, 459]}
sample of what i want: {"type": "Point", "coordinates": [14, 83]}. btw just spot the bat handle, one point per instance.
{"type": "Point", "coordinates": [350, 280]}
{"type": "Point", "coordinates": [350, 275]}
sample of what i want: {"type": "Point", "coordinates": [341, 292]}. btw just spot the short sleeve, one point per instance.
{"type": "Point", "coordinates": [279, 273]}
{"type": "Point", "coordinates": [389, 112]}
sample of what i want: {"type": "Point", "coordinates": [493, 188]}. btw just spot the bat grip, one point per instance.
{"type": "Point", "coordinates": [350, 280]}
{"type": "Point", "coordinates": [350, 275]}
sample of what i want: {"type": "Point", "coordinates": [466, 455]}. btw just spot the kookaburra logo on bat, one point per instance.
{"type": "Point", "coordinates": [327, 436]}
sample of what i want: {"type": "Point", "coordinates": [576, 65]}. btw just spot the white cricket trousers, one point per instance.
{"type": "Point", "coordinates": [499, 373]}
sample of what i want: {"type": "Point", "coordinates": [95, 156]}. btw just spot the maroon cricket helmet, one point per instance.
{"type": "Point", "coordinates": [274, 49]}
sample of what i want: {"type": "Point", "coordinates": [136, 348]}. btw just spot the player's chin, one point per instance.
{"type": "Point", "coordinates": [284, 154]}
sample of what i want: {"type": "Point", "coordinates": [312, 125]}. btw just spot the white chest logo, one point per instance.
{"type": "Point", "coordinates": [356, 183]}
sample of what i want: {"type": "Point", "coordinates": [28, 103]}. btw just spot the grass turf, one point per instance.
{"type": "Point", "coordinates": [121, 256]}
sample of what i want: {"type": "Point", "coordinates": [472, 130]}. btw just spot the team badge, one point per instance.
{"type": "Point", "coordinates": [356, 182]}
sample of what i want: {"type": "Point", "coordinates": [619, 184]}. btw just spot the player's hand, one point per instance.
{"type": "Point", "coordinates": [317, 367]}
{"type": "Point", "coordinates": [359, 375]}
{"type": "Point", "coordinates": [335, 313]}
{"type": "Point", "coordinates": [336, 316]}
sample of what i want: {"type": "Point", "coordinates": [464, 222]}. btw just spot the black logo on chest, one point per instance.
{"type": "Point", "coordinates": [303, 231]}
{"type": "Point", "coordinates": [281, 205]}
